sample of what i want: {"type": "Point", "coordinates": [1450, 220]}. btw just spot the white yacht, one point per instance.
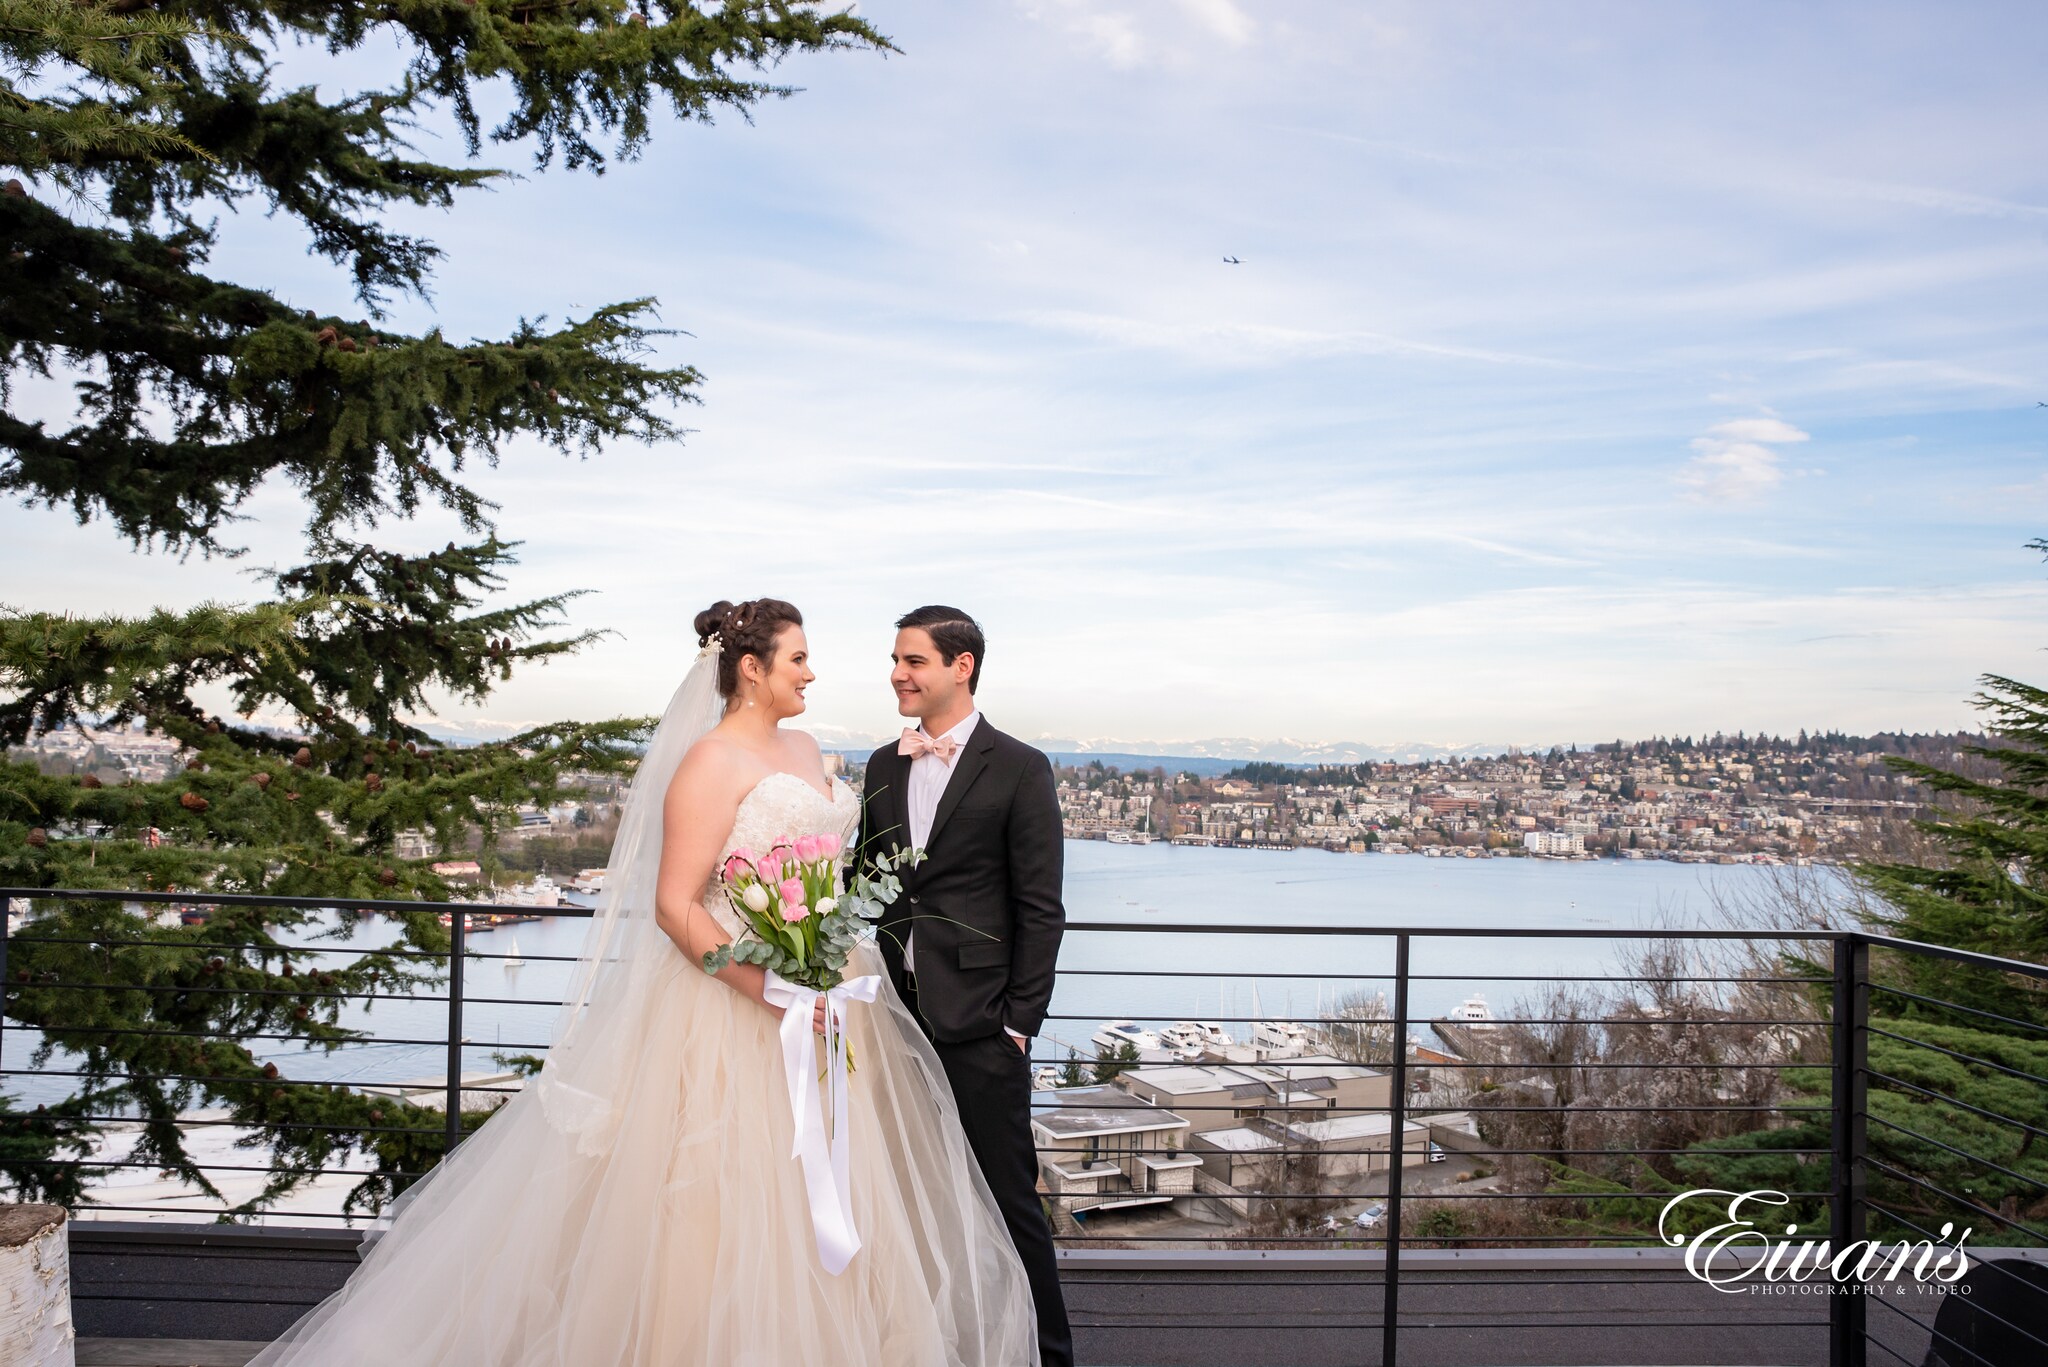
{"type": "Point", "coordinates": [1115, 1033]}
{"type": "Point", "coordinates": [1279, 1039]}
{"type": "Point", "coordinates": [543, 891]}
{"type": "Point", "coordinates": [1189, 1040]}
{"type": "Point", "coordinates": [1473, 1013]}
{"type": "Point", "coordinates": [513, 958]}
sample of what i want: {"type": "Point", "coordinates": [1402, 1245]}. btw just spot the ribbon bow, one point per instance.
{"type": "Point", "coordinates": [916, 744]}
{"type": "Point", "coordinates": [827, 1172]}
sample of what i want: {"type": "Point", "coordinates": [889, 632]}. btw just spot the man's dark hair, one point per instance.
{"type": "Point", "coordinates": [953, 632]}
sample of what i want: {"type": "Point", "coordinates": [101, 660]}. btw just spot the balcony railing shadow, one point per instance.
{"type": "Point", "coordinates": [1311, 1188]}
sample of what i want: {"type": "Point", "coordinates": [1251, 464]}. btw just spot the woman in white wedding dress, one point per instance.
{"type": "Point", "coordinates": [638, 1206]}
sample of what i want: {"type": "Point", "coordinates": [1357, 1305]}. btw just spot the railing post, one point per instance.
{"type": "Point", "coordinates": [1397, 1124]}
{"type": "Point", "coordinates": [458, 922]}
{"type": "Point", "coordinates": [6, 910]}
{"type": "Point", "coordinates": [1848, 1140]}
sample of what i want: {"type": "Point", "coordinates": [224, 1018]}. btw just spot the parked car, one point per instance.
{"type": "Point", "coordinates": [1436, 1152]}
{"type": "Point", "coordinates": [1370, 1216]}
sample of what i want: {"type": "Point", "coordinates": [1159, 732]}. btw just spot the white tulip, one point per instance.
{"type": "Point", "coordinates": [827, 905]}
{"type": "Point", "coordinates": [756, 897]}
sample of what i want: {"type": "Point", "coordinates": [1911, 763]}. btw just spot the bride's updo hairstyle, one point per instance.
{"type": "Point", "coordinates": [748, 628]}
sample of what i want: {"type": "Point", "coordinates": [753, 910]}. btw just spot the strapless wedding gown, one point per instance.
{"type": "Point", "coordinates": [670, 1225]}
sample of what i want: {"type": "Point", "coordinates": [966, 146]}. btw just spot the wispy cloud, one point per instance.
{"type": "Point", "coordinates": [1131, 35]}
{"type": "Point", "coordinates": [1735, 460]}
{"type": "Point", "coordinates": [1263, 343]}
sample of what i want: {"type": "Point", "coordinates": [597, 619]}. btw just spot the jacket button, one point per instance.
{"type": "Point", "coordinates": [913, 901]}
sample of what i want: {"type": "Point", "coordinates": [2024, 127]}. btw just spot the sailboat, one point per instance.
{"type": "Point", "coordinates": [514, 959]}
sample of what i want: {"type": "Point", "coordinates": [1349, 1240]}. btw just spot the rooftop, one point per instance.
{"type": "Point", "coordinates": [1298, 1074]}
{"type": "Point", "coordinates": [1341, 1128]}
{"type": "Point", "coordinates": [1063, 1112]}
{"type": "Point", "coordinates": [1235, 1140]}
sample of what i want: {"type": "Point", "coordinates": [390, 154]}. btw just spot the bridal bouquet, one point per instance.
{"type": "Point", "coordinates": [803, 921]}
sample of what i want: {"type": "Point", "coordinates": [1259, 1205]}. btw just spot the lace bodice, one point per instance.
{"type": "Point", "coordinates": [781, 806]}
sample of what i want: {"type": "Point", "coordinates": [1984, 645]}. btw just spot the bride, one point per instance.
{"type": "Point", "coordinates": [638, 1205]}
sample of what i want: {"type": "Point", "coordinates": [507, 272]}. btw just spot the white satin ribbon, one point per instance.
{"type": "Point", "coordinates": [827, 1171]}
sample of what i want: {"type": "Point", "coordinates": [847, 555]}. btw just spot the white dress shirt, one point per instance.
{"type": "Point", "coordinates": [928, 778]}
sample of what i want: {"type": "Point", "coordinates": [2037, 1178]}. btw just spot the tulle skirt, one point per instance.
{"type": "Point", "coordinates": [677, 1231]}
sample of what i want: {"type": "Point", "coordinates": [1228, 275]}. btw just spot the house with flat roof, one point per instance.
{"type": "Point", "coordinates": [1101, 1148]}
{"type": "Point", "coordinates": [1218, 1096]}
{"type": "Point", "coordinates": [1245, 1156]}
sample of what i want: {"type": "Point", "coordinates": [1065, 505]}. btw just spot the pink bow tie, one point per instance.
{"type": "Point", "coordinates": [916, 744]}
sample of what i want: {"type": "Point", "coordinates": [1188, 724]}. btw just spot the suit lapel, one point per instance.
{"type": "Point", "coordinates": [893, 805]}
{"type": "Point", "coordinates": [966, 769]}
{"type": "Point", "coordinates": [889, 808]}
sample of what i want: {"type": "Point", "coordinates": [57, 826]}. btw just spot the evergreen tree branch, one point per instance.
{"type": "Point", "coordinates": [356, 418]}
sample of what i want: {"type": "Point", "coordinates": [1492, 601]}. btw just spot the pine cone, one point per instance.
{"type": "Point", "coordinates": [347, 344]}
{"type": "Point", "coordinates": [14, 188]}
{"type": "Point", "coordinates": [376, 1117]}
{"type": "Point", "coordinates": [301, 1012]}
{"type": "Point", "coordinates": [387, 876]}
{"type": "Point", "coordinates": [304, 758]}
{"type": "Point", "coordinates": [326, 336]}
{"type": "Point", "coordinates": [38, 837]}
{"type": "Point", "coordinates": [391, 745]}
{"type": "Point", "coordinates": [91, 781]}
{"type": "Point", "coordinates": [213, 726]}
{"type": "Point", "coordinates": [291, 797]}
{"type": "Point", "coordinates": [195, 764]}
{"type": "Point", "coordinates": [192, 802]}
{"type": "Point", "coordinates": [260, 780]}
{"type": "Point", "coordinates": [270, 1070]}
{"type": "Point", "coordinates": [374, 782]}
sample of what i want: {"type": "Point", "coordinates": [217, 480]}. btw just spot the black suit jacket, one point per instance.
{"type": "Point", "coordinates": [986, 901]}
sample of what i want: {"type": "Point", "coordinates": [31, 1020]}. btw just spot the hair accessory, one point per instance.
{"type": "Point", "coordinates": [710, 647]}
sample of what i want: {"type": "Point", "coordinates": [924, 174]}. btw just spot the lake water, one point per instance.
{"type": "Point", "coordinates": [1216, 976]}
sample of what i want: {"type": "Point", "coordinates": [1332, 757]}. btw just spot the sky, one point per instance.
{"type": "Point", "coordinates": [1588, 371]}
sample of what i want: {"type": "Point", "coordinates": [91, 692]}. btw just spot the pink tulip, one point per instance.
{"type": "Point", "coordinates": [739, 865]}
{"type": "Point", "coordinates": [793, 891]}
{"type": "Point", "coordinates": [770, 868]}
{"type": "Point", "coordinates": [782, 849]}
{"type": "Point", "coordinates": [829, 846]}
{"type": "Point", "coordinates": [807, 848]}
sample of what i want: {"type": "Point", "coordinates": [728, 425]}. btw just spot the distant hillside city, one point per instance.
{"type": "Point", "coordinates": [1818, 798]}
{"type": "Point", "coordinates": [1733, 799]}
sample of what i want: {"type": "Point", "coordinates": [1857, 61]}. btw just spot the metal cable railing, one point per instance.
{"type": "Point", "coordinates": [1795, 1049]}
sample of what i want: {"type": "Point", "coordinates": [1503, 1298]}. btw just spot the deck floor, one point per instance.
{"type": "Point", "coordinates": [207, 1301]}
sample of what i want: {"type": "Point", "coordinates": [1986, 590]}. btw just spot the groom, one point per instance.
{"type": "Point", "coordinates": [972, 941]}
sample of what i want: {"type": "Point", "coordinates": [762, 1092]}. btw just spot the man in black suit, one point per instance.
{"type": "Point", "coordinates": [972, 942]}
